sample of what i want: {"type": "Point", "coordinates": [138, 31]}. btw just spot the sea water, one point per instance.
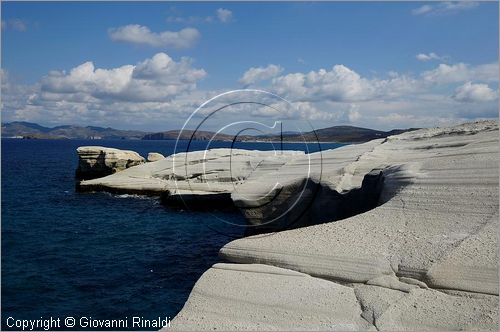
{"type": "Point", "coordinates": [97, 255]}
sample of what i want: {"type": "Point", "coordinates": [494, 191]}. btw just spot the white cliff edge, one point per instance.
{"type": "Point", "coordinates": [425, 258]}
{"type": "Point", "coordinates": [98, 161]}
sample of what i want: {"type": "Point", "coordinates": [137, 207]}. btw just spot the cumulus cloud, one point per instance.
{"type": "Point", "coordinates": [461, 72]}
{"type": "Point", "coordinates": [155, 79]}
{"type": "Point", "coordinates": [160, 90]}
{"type": "Point", "coordinates": [445, 8]}
{"type": "Point", "coordinates": [470, 92]}
{"type": "Point", "coordinates": [353, 114]}
{"type": "Point", "coordinates": [126, 96]}
{"type": "Point", "coordinates": [256, 74]}
{"type": "Point", "coordinates": [138, 34]}
{"type": "Point", "coordinates": [341, 84]}
{"type": "Point", "coordinates": [224, 15]}
{"type": "Point", "coordinates": [429, 57]}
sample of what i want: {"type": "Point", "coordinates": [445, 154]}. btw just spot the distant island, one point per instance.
{"type": "Point", "coordinates": [341, 134]}
{"type": "Point", "coordinates": [30, 130]}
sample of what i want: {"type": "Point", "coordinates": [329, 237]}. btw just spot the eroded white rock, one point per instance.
{"type": "Point", "coordinates": [261, 297]}
{"type": "Point", "coordinates": [436, 226]}
{"type": "Point", "coordinates": [155, 156]}
{"type": "Point", "coordinates": [98, 161]}
{"type": "Point", "coordinates": [194, 175]}
{"type": "Point", "coordinates": [436, 221]}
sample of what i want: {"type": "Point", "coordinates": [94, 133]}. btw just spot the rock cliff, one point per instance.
{"type": "Point", "coordinates": [426, 257]}
{"type": "Point", "coordinates": [413, 245]}
{"type": "Point", "coordinates": [98, 161]}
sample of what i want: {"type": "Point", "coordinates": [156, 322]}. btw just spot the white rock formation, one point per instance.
{"type": "Point", "coordinates": [98, 161]}
{"type": "Point", "coordinates": [155, 156]}
{"type": "Point", "coordinates": [425, 258]}
{"type": "Point", "coordinates": [274, 299]}
{"type": "Point", "coordinates": [299, 192]}
{"type": "Point", "coordinates": [190, 176]}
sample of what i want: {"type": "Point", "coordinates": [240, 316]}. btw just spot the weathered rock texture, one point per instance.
{"type": "Point", "coordinates": [194, 177]}
{"type": "Point", "coordinates": [155, 156]}
{"type": "Point", "coordinates": [425, 258]}
{"type": "Point", "coordinates": [300, 302]}
{"type": "Point", "coordinates": [310, 189]}
{"type": "Point", "coordinates": [98, 161]}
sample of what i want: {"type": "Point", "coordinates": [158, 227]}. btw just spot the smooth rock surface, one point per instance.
{"type": "Point", "coordinates": [232, 297]}
{"type": "Point", "coordinates": [440, 207]}
{"type": "Point", "coordinates": [425, 258]}
{"type": "Point", "coordinates": [296, 193]}
{"type": "Point", "coordinates": [155, 156]}
{"type": "Point", "coordinates": [194, 174]}
{"type": "Point", "coordinates": [98, 161]}
{"type": "Point", "coordinates": [414, 244]}
{"type": "Point", "coordinates": [433, 310]}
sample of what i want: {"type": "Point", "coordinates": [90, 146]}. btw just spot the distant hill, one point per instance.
{"type": "Point", "coordinates": [344, 134]}
{"type": "Point", "coordinates": [341, 134]}
{"type": "Point", "coordinates": [187, 134]}
{"type": "Point", "coordinates": [33, 130]}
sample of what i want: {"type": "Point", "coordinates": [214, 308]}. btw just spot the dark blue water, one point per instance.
{"type": "Point", "coordinates": [108, 257]}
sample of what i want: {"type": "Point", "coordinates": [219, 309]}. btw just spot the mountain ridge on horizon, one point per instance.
{"type": "Point", "coordinates": [342, 133]}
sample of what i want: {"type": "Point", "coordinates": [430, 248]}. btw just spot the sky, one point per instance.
{"type": "Point", "coordinates": [149, 66]}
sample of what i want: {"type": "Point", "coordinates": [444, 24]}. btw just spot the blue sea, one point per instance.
{"type": "Point", "coordinates": [95, 254]}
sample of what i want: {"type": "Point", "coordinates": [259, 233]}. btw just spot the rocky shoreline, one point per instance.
{"type": "Point", "coordinates": [422, 254]}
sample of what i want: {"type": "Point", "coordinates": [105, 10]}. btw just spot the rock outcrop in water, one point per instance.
{"type": "Point", "coordinates": [414, 247]}
{"type": "Point", "coordinates": [98, 161]}
{"type": "Point", "coordinates": [193, 177]}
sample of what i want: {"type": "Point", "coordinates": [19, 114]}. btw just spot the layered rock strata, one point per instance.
{"type": "Point", "coordinates": [425, 258]}
{"type": "Point", "coordinates": [414, 245]}
{"type": "Point", "coordinates": [98, 161]}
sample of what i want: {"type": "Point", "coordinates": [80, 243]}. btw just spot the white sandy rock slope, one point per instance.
{"type": "Point", "coordinates": [425, 258]}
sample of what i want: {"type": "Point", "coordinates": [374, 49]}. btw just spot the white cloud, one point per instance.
{"type": "Point", "coordinates": [309, 111]}
{"type": "Point", "coordinates": [353, 114]}
{"type": "Point", "coordinates": [429, 57]}
{"type": "Point", "coordinates": [341, 84]}
{"type": "Point", "coordinates": [161, 92]}
{"type": "Point", "coordinates": [462, 72]}
{"type": "Point", "coordinates": [422, 10]}
{"type": "Point", "coordinates": [16, 24]}
{"type": "Point", "coordinates": [445, 8]}
{"type": "Point", "coordinates": [190, 19]}
{"type": "Point", "coordinates": [224, 15]}
{"type": "Point", "coordinates": [156, 79]}
{"type": "Point", "coordinates": [470, 92]}
{"type": "Point", "coordinates": [221, 15]}
{"type": "Point", "coordinates": [138, 34]}
{"type": "Point", "coordinates": [256, 74]}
